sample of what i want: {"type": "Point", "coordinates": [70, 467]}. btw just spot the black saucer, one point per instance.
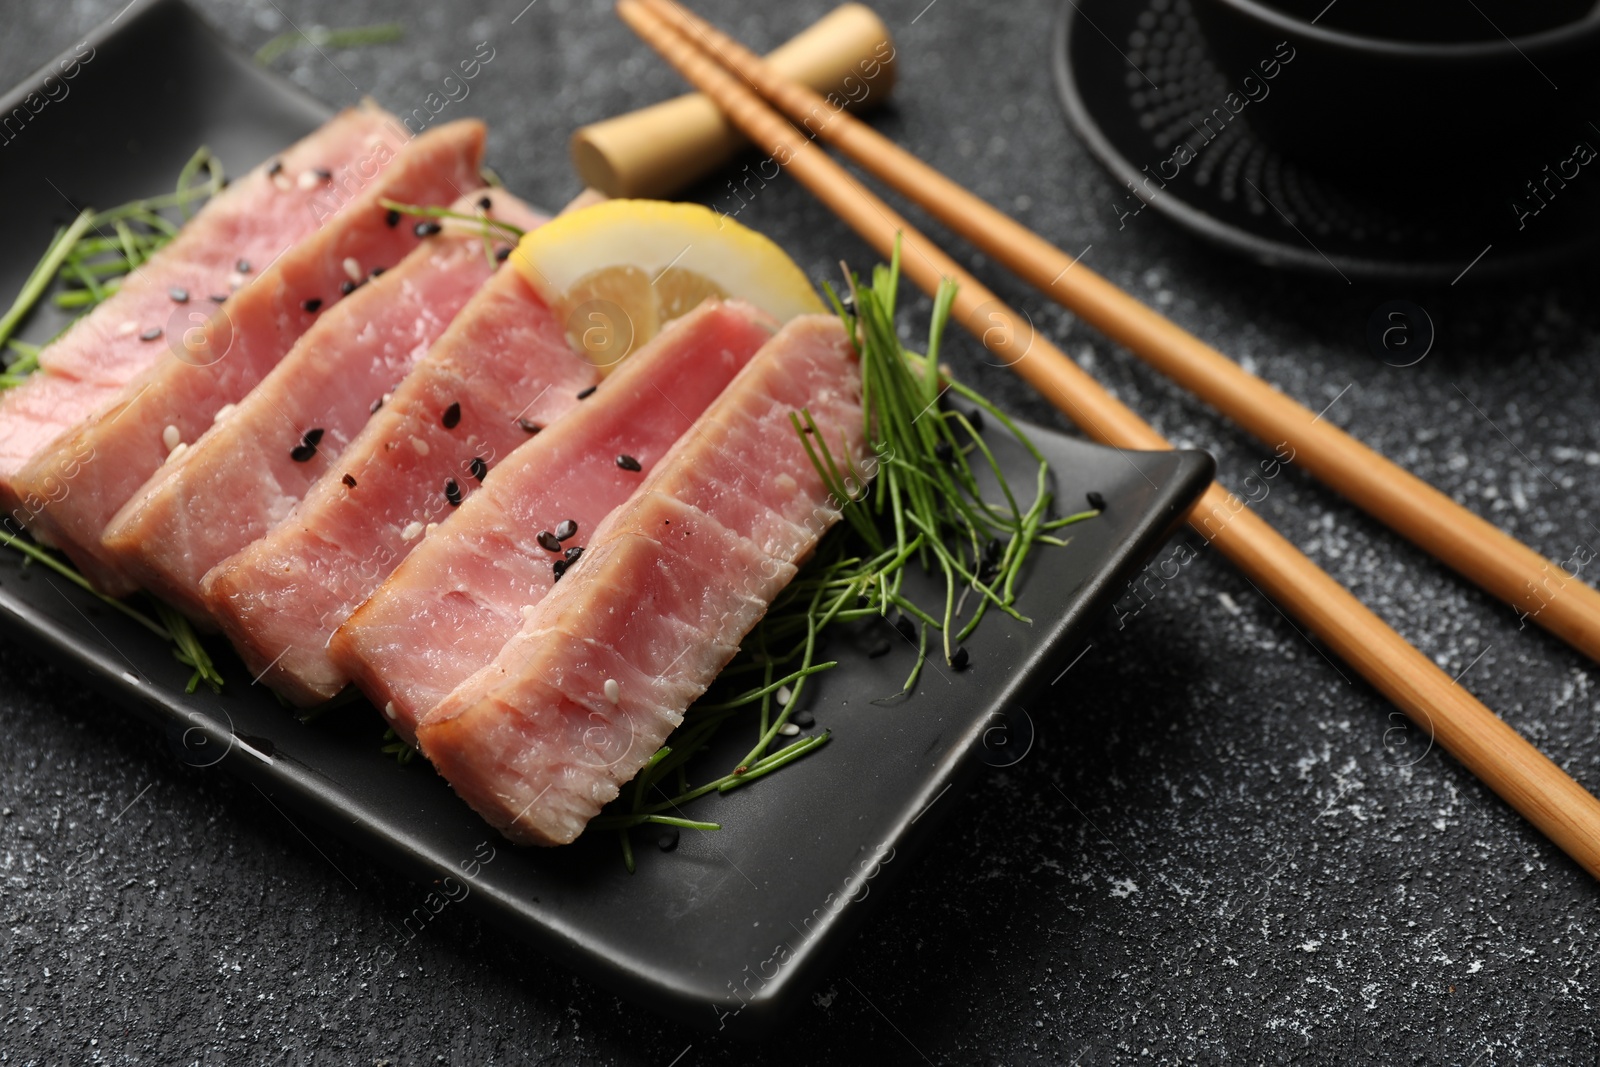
{"type": "Point", "coordinates": [1134, 74]}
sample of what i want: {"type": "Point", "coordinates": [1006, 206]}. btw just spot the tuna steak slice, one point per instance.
{"type": "Point", "coordinates": [127, 441]}
{"type": "Point", "coordinates": [459, 596]}
{"type": "Point", "coordinates": [505, 367]}
{"type": "Point", "coordinates": [251, 221]}
{"type": "Point", "coordinates": [541, 739]}
{"type": "Point", "coordinates": [248, 470]}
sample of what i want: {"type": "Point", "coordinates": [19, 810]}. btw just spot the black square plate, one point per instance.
{"type": "Point", "coordinates": [733, 926]}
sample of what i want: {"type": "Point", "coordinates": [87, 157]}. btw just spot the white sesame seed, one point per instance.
{"type": "Point", "coordinates": [411, 532]}
{"type": "Point", "coordinates": [388, 709]}
{"type": "Point", "coordinates": [613, 690]}
{"type": "Point", "coordinates": [352, 269]}
{"type": "Point", "coordinates": [223, 412]}
{"type": "Point", "coordinates": [788, 729]}
{"type": "Point", "coordinates": [176, 452]}
{"type": "Point", "coordinates": [128, 327]}
{"type": "Point", "coordinates": [308, 179]}
{"type": "Point", "coordinates": [785, 694]}
{"type": "Point", "coordinates": [235, 280]}
{"type": "Point", "coordinates": [428, 529]}
{"type": "Point", "coordinates": [420, 445]}
{"type": "Point", "coordinates": [282, 181]}
{"type": "Point", "coordinates": [170, 437]}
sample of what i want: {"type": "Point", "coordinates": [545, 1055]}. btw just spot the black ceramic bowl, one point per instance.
{"type": "Point", "coordinates": [1398, 112]}
{"type": "Point", "coordinates": [1437, 21]}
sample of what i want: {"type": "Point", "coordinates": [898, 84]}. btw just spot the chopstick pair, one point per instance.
{"type": "Point", "coordinates": [1526, 779]}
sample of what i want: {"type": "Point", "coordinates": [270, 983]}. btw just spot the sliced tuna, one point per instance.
{"type": "Point", "coordinates": [177, 395]}
{"type": "Point", "coordinates": [460, 594]}
{"type": "Point", "coordinates": [257, 461]}
{"type": "Point", "coordinates": [252, 220]}
{"type": "Point", "coordinates": [500, 372]}
{"type": "Point", "coordinates": [602, 669]}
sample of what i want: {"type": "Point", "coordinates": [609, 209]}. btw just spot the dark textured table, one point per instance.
{"type": "Point", "coordinates": [1220, 847]}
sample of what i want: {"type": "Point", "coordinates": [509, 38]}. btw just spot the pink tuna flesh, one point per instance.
{"type": "Point", "coordinates": [251, 221]}
{"type": "Point", "coordinates": [541, 739]}
{"type": "Point", "coordinates": [460, 595]}
{"type": "Point", "coordinates": [246, 472]}
{"type": "Point", "coordinates": [504, 362]}
{"type": "Point", "coordinates": [123, 443]}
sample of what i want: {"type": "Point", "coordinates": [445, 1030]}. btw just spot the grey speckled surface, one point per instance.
{"type": "Point", "coordinates": [1209, 855]}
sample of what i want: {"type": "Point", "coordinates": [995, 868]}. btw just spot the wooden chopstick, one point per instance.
{"type": "Point", "coordinates": [1538, 588]}
{"type": "Point", "coordinates": [1526, 779]}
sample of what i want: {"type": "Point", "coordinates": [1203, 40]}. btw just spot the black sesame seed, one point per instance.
{"type": "Point", "coordinates": [904, 625]}
{"type": "Point", "coordinates": [313, 436]}
{"type": "Point", "coordinates": [566, 529]}
{"type": "Point", "coordinates": [276, 168]}
{"type": "Point", "coordinates": [976, 420]}
{"type": "Point", "coordinates": [584, 394]}
{"type": "Point", "coordinates": [313, 305]}
{"type": "Point", "coordinates": [348, 480]}
{"type": "Point", "coordinates": [628, 463]}
{"type": "Point", "coordinates": [803, 719]}
{"type": "Point", "coordinates": [347, 287]}
{"type": "Point", "coordinates": [558, 568]}
{"type": "Point", "coordinates": [376, 404]}
{"type": "Point", "coordinates": [991, 550]}
{"type": "Point", "coordinates": [808, 429]}
{"type": "Point", "coordinates": [179, 296]}
{"type": "Point", "coordinates": [529, 426]}
{"type": "Point", "coordinates": [668, 841]}
{"type": "Point", "coordinates": [943, 452]}
{"type": "Point", "coordinates": [485, 203]}
{"type": "Point", "coordinates": [302, 453]}
{"type": "Point", "coordinates": [391, 218]}
{"type": "Point", "coordinates": [572, 554]}
{"type": "Point", "coordinates": [959, 658]}
{"type": "Point", "coordinates": [452, 492]}
{"type": "Point", "coordinates": [879, 648]}
{"type": "Point", "coordinates": [426, 229]}
{"type": "Point", "coordinates": [377, 272]}
{"type": "Point", "coordinates": [502, 254]}
{"type": "Point", "coordinates": [323, 173]}
{"type": "Point", "coordinates": [151, 334]}
{"type": "Point", "coordinates": [548, 542]}
{"type": "Point", "coordinates": [478, 467]}
{"type": "Point", "coordinates": [218, 298]}
{"type": "Point", "coordinates": [451, 417]}
{"type": "Point", "coordinates": [243, 266]}
{"type": "Point", "coordinates": [1096, 501]}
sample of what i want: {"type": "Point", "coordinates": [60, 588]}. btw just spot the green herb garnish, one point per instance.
{"type": "Point", "coordinates": [926, 506]}
{"type": "Point", "coordinates": [397, 748]}
{"type": "Point", "coordinates": [487, 227]}
{"type": "Point", "coordinates": [189, 651]}
{"type": "Point", "coordinates": [429, 211]}
{"type": "Point", "coordinates": [44, 273]}
{"type": "Point", "coordinates": [173, 626]}
{"type": "Point", "coordinates": [322, 37]}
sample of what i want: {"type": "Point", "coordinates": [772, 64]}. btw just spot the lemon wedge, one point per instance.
{"type": "Point", "coordinates": [618, 271]}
